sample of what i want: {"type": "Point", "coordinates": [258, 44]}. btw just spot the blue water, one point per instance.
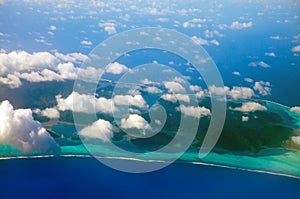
{"type": "Point", "coordinates": [63, 177]}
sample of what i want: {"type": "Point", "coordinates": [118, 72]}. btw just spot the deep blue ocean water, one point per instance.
{"type": "Point", "coordinates": [63, 177]}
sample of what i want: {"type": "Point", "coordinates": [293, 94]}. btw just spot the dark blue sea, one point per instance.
{"type": "Point", "coordinates": [63, 177]}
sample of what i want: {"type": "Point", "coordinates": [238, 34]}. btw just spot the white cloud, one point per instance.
{"type": "Point", "coordinates": [22, 61]}
{"type": "Point", "coordinates": [137, 101]}
{"type": "Point", "coordinates": [41, 66]}
{"type": "Point", "coordinates": [116, 68]}
{"type": "Point", "coordinates": [108, 27]}
{"type": "Point", "coordinates": [240, 93]}
{"type": "Point", "coordinates": [235, 93]}
{"type": "Point", "coordinates": [176, 97]}
{"type": "Point", "coordinates": [295, 109]}
{"type": "Point", "coordinates": [199, 41]}
{"type": "Point", "coordinates": [174, 87]}
{"type": "Point", "coordinates": [262, 87]}
{"type": "Point", "coordinates": [100, 129]}
{"type": "Point", "coordinates": [259, 63]}
{"type": "Point", "coordinates": [195, 88]}
{"type": "Point", "coordinates": [271, 54]}
{"type": "Point", "coordinates": [238, 25]}
{"type": "Point", "coordinates": [153, 90]}
{"type": "Point", "coordinates": [134, 121]}
{"type": "Point", "coordinates": [52, 28]}
{"type": "Point", "coordinates": [296, 49]}
{"type": "Point", "coordinates": [51, 113]}
{"type": "Point", "coordinates": [85, 103]}
{"type": "Point", "coordinates": [193, 111]}
{"type": "Point", "coordinates": [296, 139]}
{"type": "Point", "coordinates": [247, 79]}
{"type": "Point", "coordinates": [11, 80]}
{"type": "Point", "coordinates": [149, 82]}
{"type": "Point", "coordinates": [215, 42]}
{"type": "Point", "coordinates": [236, 73]}
{"type": "Point", "coordinates": [245, 118]}
{"type": "Point", "coordinates": [218, 90]}
{"type": "Point", "coordinates": [250, 107]}
{"type": "Point", "coordinates": [275, 37]}
{"type": "Point", "coordinates": [20, 130]}
{"type": "Point", "coordinates": [87, 43]}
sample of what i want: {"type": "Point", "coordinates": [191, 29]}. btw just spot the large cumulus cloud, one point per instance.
{"type": "Point", "coordinates": [20, 130]}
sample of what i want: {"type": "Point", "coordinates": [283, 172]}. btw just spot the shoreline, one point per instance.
{"type": "Point", "coordinates": [153, 161]}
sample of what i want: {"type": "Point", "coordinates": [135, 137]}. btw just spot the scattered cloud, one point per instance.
{"type": "Point", "coordinates": [134, 121]}
{"type": "Point", "coordinates": [240, 93]}
{"type": "Point", "coordinates": [262, 87]}
{"type": "Point", "coordinates": [296, 49]}
{"type": "Point", "coordinates": [51, 113]}
{"type": "Point", "coordinates": [245, 118]}
{"type": "Point", "coordinates": [259, 63]}
{"type": "Point", "coordinates": [193, 111]}
{"type": "Point", "coordinates": [86, 43]}
{"type": "Point", "coordinates": [250, 107]}
{"type": "Point", "coordinates": [174, 87]}
{"type": "Point", "coordinates": [176, 97]}
{"type": "Point", "coordinates": [271, 54]}
{"type": "Point", "coordinates": [116, 68]}
{"type": "Point", "coordinates": [101, 129]}
{"type": "Point", "coordinates": [236, 73]}
{"type": "Point", "coordinates": [295, 109]}
{"type": "Point", "coordinates": [238, 25]}
{"type": "Point", "coordinates": [296, 140]}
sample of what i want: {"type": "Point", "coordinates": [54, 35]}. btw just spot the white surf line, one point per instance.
{"type": "Point", "coordinates": [246, 169]}
{"type": "Point", "coordinates": [153, 161]}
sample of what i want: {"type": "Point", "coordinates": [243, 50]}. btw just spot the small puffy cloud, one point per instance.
{"type": "Point", "coordinates": [195, 88]}
{"type": "Point", "coordinates": [71, 57]}
{"type": "Point", "coordinates": [275, 37]}
{"type": "Point", "coordinates": [240, 93]}
{"type": "Point", "coordinates": [296, 140]}
{"type": "Point", "coordinates": [137, 101]}
{"type": "Point", "coordinates": [174, 87]}
{"type": "Point", "coordinates": [86, 43]}
{"type": "Point", "coordinates": [193, 111]}
{"type": "Point", "coordinates": [295, 109]}
{"type": "Point", "coordinates": [247, 79]}
{"type": "Point", "coordinates": [51, 113]}
{"type": "Point", "coordinates": [250, 107]}
{"type": "Point", "coordinates": [20, 130]}
{"type": "Point", "coordinates": [296, 49]}
{"type": "Point", "coordinates": [235, 93]}
{"type": "Point", "coordinates": [52, 28]}
{"type": "Point", "coordinates": [245, 118]}
{"type": "Point", "coordinates": [238, 25]}
{"type": "Point", "coordinates": [236, 73]}
{"type": "Point", "coordinates": [271, 54]}
{"type": "Point", "coordinates": [218, 90]}
{"type": "Point", "coordinates": [146, 81]}
{"type": "Point", "coordinates": [116, 68]}
{"type": "Point", "coordinates": [108, 27]}
{"type": "Point", "coordinates": [153, 90]}
{"type": "Point", "coordinates": [84, 103]}
{"type": "Point", "coordinates": [134, 121]}
{"type": "Point", "coordinates": [100, 129]}
{"type": "Point", "coordinates": [259, 63]}
{"type": "Point", "coordinates": [199, 41]}
{"type": "Point", "coordinates": [215, 42]}
{"type": "Point", "coordinates": [262, 87]}
{"type": "Point", "coordinates": [176, 97]}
